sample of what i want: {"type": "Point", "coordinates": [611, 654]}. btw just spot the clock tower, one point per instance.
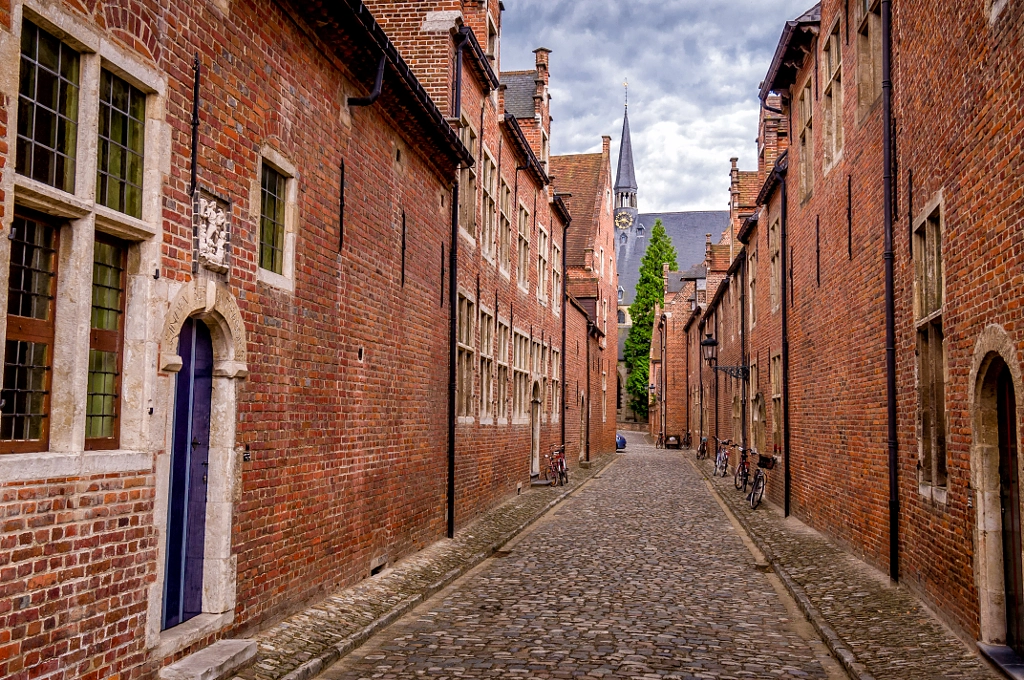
{"type": "Point", "coordinates": [625, 181]}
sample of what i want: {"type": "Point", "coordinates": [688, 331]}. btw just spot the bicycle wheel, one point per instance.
{"type": "Point", "coordinates": [740, 478]}
{"type": "Point", "coordinates": [563, 476]}
{"type": "Point", "coordinates": [757, 491]}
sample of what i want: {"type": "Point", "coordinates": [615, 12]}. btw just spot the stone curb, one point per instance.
{"type": "Point", "coordinates": [854, 668]}
{"type": "Point", "coordinates": [332, 654]}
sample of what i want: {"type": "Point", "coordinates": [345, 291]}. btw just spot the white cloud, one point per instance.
{"type": "Point", "coordinates": [693, 66]}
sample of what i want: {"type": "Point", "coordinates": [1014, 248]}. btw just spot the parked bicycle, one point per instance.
{"type": "Point", "coordinates": [557, 471]}
{"type": "Point", "coordinates": [702, 449]}
{"type": "Point", "coordinates": [722, 458]}
{"type": "Point", "coordinates": [764, 464]}
{"type": "Point", "coordinates": [742, 476]}
{"type": "Point", "coordinates": [687, 440]}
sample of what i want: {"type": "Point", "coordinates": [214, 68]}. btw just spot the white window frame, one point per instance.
{"type": "Point", "coordinates": [277, 161]}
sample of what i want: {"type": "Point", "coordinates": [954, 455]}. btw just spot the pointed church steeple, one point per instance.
{"type": "Point", "coordinates": [625, 177]}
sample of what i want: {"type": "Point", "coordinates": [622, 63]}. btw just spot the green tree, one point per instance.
{"type": "Point", "coordinates": [650, 290]}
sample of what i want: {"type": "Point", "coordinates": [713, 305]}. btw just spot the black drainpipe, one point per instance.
{"type": "Point", "coordinates": [783, 238]}
{"type": "Point", "coordinates": [744, 358]}
{"type": "Point", "coordinates": [197, 68]}
{"type": "Point", "coordinates": [589, 378]}
{"type": "Point", "coordinates": [565, 297]}
{"type": "Point", "coordinates": [377, 84]}
{"type": "Point", "coordinates": [890, 301]}
{"type": "Point", "coordinates": [664, 377]}
{"type": "Point", "coordinates": [453, 300]}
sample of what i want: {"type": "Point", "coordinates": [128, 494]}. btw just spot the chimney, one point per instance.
{"type": "Point", "coordinates": [542, 63]}
{"type": "Point", "coordinates": [606, 146]}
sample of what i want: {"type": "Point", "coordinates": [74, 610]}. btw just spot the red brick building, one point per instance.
{"type": "Point", "coordinates": [937, 507]}
{"type": "Point", "coordinates": [229, 344]}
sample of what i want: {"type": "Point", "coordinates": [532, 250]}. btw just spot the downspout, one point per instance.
{"type": "Point", "coordinates": [744, 358]}
{"type": "Point", "coordinates": [589, 378]}
{"type": "Point", "coordinates": [783, 238]}
{"type": "Point", "coordinates": [377, 84]}
{"type": "Point", "coordinates": [700, 382]}
{"type": "Point", "coordinates": [890, 300]}
{"type": "Point", "coordinates": [453, 300]}
{"type": "Point", "coordinates": [664, 377]}
{"type": "Point", "coordinates": [565, 297]}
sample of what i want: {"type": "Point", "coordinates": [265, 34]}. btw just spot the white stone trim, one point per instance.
{"type": "Point", "coordinates": [286, 279]}
{"type": "Point", "coordinates": [27, 467]}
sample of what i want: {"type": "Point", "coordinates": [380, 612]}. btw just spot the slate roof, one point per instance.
{"type": "Point", "coordinates": [688, 232]}
{"type": "Point", "coordinates": [520, 86]}
{"type": "Point", "coordinates": [625, 177]}
{"type": "Point", "coordinates": [579, 175]}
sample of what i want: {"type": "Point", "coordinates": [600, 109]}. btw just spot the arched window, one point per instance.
{"type": "Point", "coordinates": [622, 316]}
{"type": "Point", "coordinates": [622, 292]}
{"type": "Point", "coordinates": [623, 238]}
{"type": "Point", "coordinates": [640, 231]}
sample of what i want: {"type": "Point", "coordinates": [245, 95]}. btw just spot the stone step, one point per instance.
{"type": "Point", "coordinates": [217, 662]}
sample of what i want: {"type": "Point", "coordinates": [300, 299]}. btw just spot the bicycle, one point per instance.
{"type": "Point", "coordinates": [742, 476]}
{"type": "Point", "coordinates": [764, 464]}
{"type": "Point", "coordinates": [557, 471]}
{"type": "Point", "coordinates": [687, 440]}
{"type": "Point", "coordinates": [722, 458]}
{"type": "Point", "coordinates": [702, 449]}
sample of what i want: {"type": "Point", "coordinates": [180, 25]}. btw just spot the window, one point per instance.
{"type": "Point", "coordinates": [622, 317]}
{"type": "Point", "coordinates": [520, 376]}
{"type": "Point", "coordinates": [272, 225]}
{"type": "Point", "coordinates": [833, 61]}
{"type": "Point", "coordinates": [806, 138]}
{"type": "Point", "coordinates": [621, 293]}
{"type": "Point", "coordinates": [775, 256]}
{"type": "Point", "coordinates": [623, 238]}
{"type": "Point", "coordinates": [490, 182]}
{"type": "Point", "coordinates": [776, 369]}
{"type": "Point", "coordinates": [486, 365]}
{"type": "Point", "coordinates": [502, 383]}
{"type": "Point", "coordinates": [556, 385]}
{"type": "Point", "coordinates": [47, 109]}
{"type": "Point", "coordinates": [542, 264]}
{"type": "Point", "coordinates": [119, 153]}
{"type": "Point", "coordinates": [640, 231]}
{"type": "Point", "coordinates": [467, 182]}
{"type": "Point", "coordinates": [556, 279]}
{"type": "Point", "coordinates": [28, 352]}
{"type": "Point", "coordinates": [523, 273]}
{"type": "Point", "coordinates": [102, 409]}
{"type": "Point", "coordinates": [464, 360]}
{"type": "Point", "coordinates": [601, 263]}
{"type": "Point", "coordinates": [753, 287]}
{"type": "Point", "coordinates": [505, 244]}
{"type": "Point", "coordinates": [869, 55]}
{"type": "Point", "coordinates": [931, 349]}
{"type": "Point", "coordinates": [604, 396]}
{"type": "Point", "coordinates": [492, 40]}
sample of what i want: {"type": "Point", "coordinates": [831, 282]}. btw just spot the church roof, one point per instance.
{"type": "Point", "coordinates": [579, 175]}
{"type": "Point", "coordinates": [688, 231]}
{"type": "Point", "coordinates": [520, 87]}
{"type": "Point", "coordinates": [625, 177]}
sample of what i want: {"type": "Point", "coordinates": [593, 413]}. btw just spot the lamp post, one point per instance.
{"type": "Point", "coordinates": [709, 348]}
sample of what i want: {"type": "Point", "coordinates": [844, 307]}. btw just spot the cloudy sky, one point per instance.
{"type": "Point", "coordinates": [693, 68]}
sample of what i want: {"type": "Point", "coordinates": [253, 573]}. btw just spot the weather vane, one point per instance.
{"type": "Point", "coordinates": [625, 86]}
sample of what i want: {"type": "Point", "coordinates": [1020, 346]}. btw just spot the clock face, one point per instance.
{"type": "Point", "coordinates": [623, 220]}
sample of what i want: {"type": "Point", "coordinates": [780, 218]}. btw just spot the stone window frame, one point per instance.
{"type": "Point", "coordinates": [490, 198]}
{"type": "Point", "coordinates": [752, 284]}
{"type": "Point", "coordinates": [504, 248]}
{"type": "Point", "coordinates": [466, 357]}
{"type": "Point", "coordinates": [520, 378]}
{"type": "Point", "coordinates": [776, 387]}
{"type": "Point", "coordinates": [774, 265]}
{"type": "Point", "coordinates": [543, 247]}
{"type": "Point", "coordinates": [869, 56]}
{"type": "Point", "coordinates": [280, 163]}
{"type": "Point", "coordinates": [932, 421]}
{"type": "Point", "coordinates": [468, 186]}
{"type": "Point", "coordinates": [556, 279]}
{"type": "Point", "coordinates": [487, 330]}
{"type": "Point", "coordinates": [832, 104]}
{"type": "Point", "coordinates": [80, 217]}
{"type": "Point", "coordinates": [523, 248]}
{"type": "Point", "coordinates": [556, 384]}
{"type": "Point", "coordinates": [503, 338]}
{"type": "Point", "coordinates": [805, 138]}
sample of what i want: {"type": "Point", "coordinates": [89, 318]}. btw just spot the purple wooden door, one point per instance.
{"type": "Point", "coordinates": [190, 452]}
{"type": "Point", "coordinates": [1009, 494]}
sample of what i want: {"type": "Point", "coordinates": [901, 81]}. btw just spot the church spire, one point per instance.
{"type": "Point", "coordinates": [625, 177]}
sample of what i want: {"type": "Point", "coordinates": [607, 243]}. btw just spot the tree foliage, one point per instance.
{"type": "Point", "coordinates": [650, 290]}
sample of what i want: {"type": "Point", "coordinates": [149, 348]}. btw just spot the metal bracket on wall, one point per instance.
{"type": "Point", "coordinates": [738, 372]}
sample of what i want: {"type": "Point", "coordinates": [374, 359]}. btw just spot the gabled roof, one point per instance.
{"type": "Point", "coordinates": [625, 177]}
{"type": "Point", "coordinates": [796, 38]}
{"type": "Point", "coordinates": [520, 88]}
{"type": "Point", "coordinates": [688, 231]}
{"type": "Point", "coordinates": [580, 176]}
{"type": "Point", "coordinates": [523, 147]}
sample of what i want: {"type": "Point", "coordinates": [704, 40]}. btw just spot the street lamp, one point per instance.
{"type": "Point", "coordinates": [709, 347]}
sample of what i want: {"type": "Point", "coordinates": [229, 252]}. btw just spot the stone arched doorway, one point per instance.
{"type": "Point", "coordinates": [995, 478]}
{"type": "Point", "coordinates": [203, 350]}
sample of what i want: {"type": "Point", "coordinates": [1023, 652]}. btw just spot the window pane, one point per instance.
{"type": "Point", "coordinates": [107, 291]}
{"type": "Point", "coordinates": [272, 222]}
{"type": "Point", "coordinates": [26, 365]}
{"type": "Point", "coordinates": [48, 100]}
{"type": "Point", "coordinates": [32, 267]}
{"type": "Point", "coordinates": [101, 404]}
{"type": "Point", "coordinates": [121, 142]}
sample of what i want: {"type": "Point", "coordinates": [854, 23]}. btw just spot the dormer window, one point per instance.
{"type": "Point", "coordinates": [622, 293]}
{"type": "Point", "coordinates": [640, 231]}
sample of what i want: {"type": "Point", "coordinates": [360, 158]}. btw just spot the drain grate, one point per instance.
{"type": "Point", "coordinates": [498, 554]}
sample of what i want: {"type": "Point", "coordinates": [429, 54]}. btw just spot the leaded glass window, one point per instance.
{"type": "Point", "coordinates": [120, 146]}
{"type": "Point", "coordinates": [272, 221]}
{"type": "Point", "coordinates": [105, 345]}
{"type": "Point", "coordinates": [47, 109]}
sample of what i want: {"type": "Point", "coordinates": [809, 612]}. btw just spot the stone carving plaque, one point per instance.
{"type": "Point", "coordinates": [212, 238]}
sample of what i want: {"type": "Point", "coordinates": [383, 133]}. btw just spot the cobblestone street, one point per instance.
{"type": "Point", "coordinates": [638, 575]}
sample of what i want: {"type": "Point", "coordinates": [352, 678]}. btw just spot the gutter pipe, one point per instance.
{"type": "Point", "coordinates": [890, 301]}
{"type": "Point", "coordinates": [783, 239]}
{"type": "Point", "coordinates": [453, 300]}
{"type": "Point", "coordinates": [565, 298]}
{"type": "Point", "coordinates": [377, 84]}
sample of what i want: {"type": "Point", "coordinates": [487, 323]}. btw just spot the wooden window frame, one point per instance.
{"type": "Point", "coordinates": [112, 341]}
{"type": "Point", "coordinates": [929, 305]}
{"type": "Point", "coordinates": [832, 58]}
{"type": "Point", "coordinates": [27, 329]}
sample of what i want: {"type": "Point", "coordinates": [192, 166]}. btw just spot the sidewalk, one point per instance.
{"type": "Point", "coordinates": [876, 630]}
{"type": "Point", "coordinates": [306, 643]}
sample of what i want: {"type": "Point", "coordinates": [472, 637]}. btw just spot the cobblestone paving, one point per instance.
{"type": "Point", "coordinates": [303, 644]}
{"type": "Point", "coordinates": [639, 575]}
{"type": "Point", "coordinates": [888, 630]}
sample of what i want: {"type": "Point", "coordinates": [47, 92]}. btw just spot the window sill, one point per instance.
{"type": "Point", "coordinates": [467, 237]}
{"type": "Point", "coordinates": [465, 420]}
{"type": "Point", "coordinates": [1004, 658]}
{"type": "Point", "coordinates": [487, 421]}
{"type": "Point", "coordinates": [50, 200]}
{"type": "Point", "coordinates": [124, 226]}
{"type": "Point", "coordinates": [275, 280]}
{"type": "Point", "coordinates": [181, 636]}
{"type": "Point", "coordinates": [936, 494]}
{"type": "Point", "coordinates": [504, 272]}
{"type": "Point", "coordinates": [23, 467]}
{"type": "Point", "coordinates": [523, 289]}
